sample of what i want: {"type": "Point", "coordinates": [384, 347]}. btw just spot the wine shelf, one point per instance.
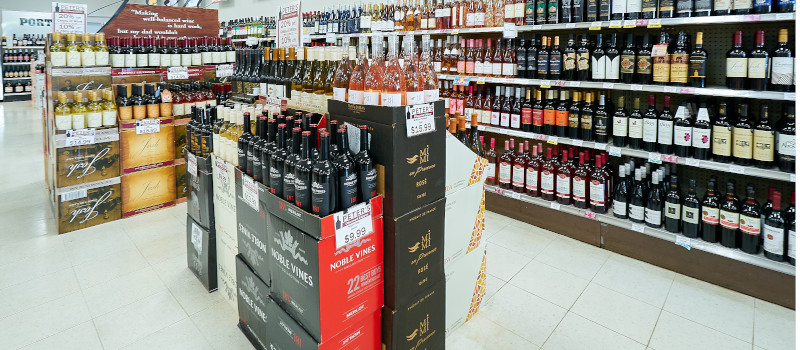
{"type": "Point", "coordinates": [23, 47]}
{"type": "Point", "coordinates": [17, 93]}
{"type": "Point", "coordinates": [690, 243]}
{"type": "Point", "coordinates": [21, 78]}
{"type": "Point", "coordinates": [640, 23]}
{"type": "Point", "coordinates": [16, 63]}
{"type": "Point", "coordinates": [683, 90]}
{"type": "Point", "coordinates": [653, 157]}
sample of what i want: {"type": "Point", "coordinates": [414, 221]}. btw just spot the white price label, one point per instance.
{"type": "Point", "coordinates": [515, 195]}
{"type": "Point", "coordinates": [736, 169]}
{"type": "Point", "coordinates": [636, 87]}
{"type": "Point", "coordinates": [578, 143]}
{"type": "Point", "coordinates": [683, 241]}
{"type": "Point", "coordinates": [191, 164]}
{"type": "Point", "coordinates": [553, 140]}
{"type": "Point", "coordinates": [177, 73]}
{"type": "Point", "coordinates": [353, 224]}
{"type": "Point", "coordinates": [330, 38]}
{"type": "Point", "coordinates": [554, 205]}
{"type": "Point", "coordinates": [419, 120]}
{"type": "Point", "coordinates": [570, 25]}
{"type": "Point", "coordinates": [197, 238]}
{"type": "Point", "coordinates": [692, 162]}
{"type": "Point", "coordinates": [670, 89]}
{"type": "Point", "coordinates": [600, 146]}
{"type": "Point", "coordinates": [509, 30]}
{"type": "Point", "coordinates": [608, 85]}
{"type": "Point", "coordinates": [789, 96]}
{"type": "Point", "coordinates": [629, 23]}
{"type": "Point", "coordinates": [251, 41]}
{"type": "Point", "coordinates": [574, 83]}
{"type": "Point", "coordinates": [792, 177]}
{"type": "Point", "coordinates": [615, 24]}
{"type": "Point", "coordinates": [80, 137]}
{"type": "Point", "coordinates": [654, 157]}
{"type": "Point", "coordinates": [306, 39]}
{"type": "Point", "coordinates": [615, 151]}
{"type": "Point", "coordinates": [250, 192]}
{"type": "Point", "coordinates": [637, 227]}
{"type": "Point", "coordinates": [536, 27]}
{"type": "Point", "coordinates": [148, 126]}
{"type": "Point", "coordinates": [545, 84]}
{"type": "Point", "coordinates": [224, 70]}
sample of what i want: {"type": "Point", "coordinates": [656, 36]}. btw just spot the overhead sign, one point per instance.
{"type": "Point", "coordinates": [69, 18]}
{"type": "Point", "coordinates": [135, 21]}
{"type": "Point", "coordinates": [289, 19]}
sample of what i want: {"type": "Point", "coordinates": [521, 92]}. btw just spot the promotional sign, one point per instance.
{"type": "Point", "coordinates": [20, 22]}
{"type": "Point", "coordinates": [69, 18]}
{"type": "Point", "coordinates": [289, 25]}
{"type": "Point", "coordinates": [163, 21]}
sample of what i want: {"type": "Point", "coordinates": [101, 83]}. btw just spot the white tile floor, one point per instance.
{"type": "Point", "coordinates": [125, 284]}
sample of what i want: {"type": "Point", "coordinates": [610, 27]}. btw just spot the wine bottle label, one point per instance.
{"type": "Point", "coordinates": [782, 71]}
{"type": "Point", "coordinates": [586, 121]}
{"type": "Point", "coordinates": [416, 97]}
{"type": "Point", "coordinates": [216, 57]}
{"type": "Point", "coordinates": [749, 225]}
{"type": "Point", "coordinates": [697, 66]}
{"type": "Point", "coordinates": [177, 109]}
{"type": "Point", "coordinates": [197, 59]}
{"type": "Point", "coordinates": [459, 106]}
{"type": "Point", "coordinates": [101, 58]}
{"type": "Point", "coordinates": [661, 69]}
{"type": "Point", "coordinates": [531, 179]}
{"type": "Point", "coordinates": [649, 5]}
{"type": "Point", "coordinates": [371, 98]}
{"type": "Point", "coordinates": [736, 67]}
{"type": "Point", "coordinates": [612, 67]}
{"type": "Point", "coordinates": [537, 117]}
{"type": "Point", "coordinates": [773, 240]}
{"type": "Point", "coordinates": [175, 59]}
{"type": "Point", "coordinates": [320, 198]}
{"type": "Point", "coordinates": [390, 99]}
{"type": "Point", "coordinates": [460, 66]}
{"type": "Point", "coordinates": [722, 141]}
{"type": "Point", "coordinates": [509, 11]}
{"type": "Point", "coordinates": [578, 189]}
{"type": "Point", "coordinates": [495, 118]}
{"type": "Point", "coordinates": [519, 10]}
{"type": "Point", "coordinates": [701, 138]}
{"type": "Point", "coordinates": [563, 183]}
{"type": "Point", "coordinates": [470, 19]}
{"type": "Point", "coordinates": [574, 120]}
{"type": "Point", "coordinates": [205, 58]}
{"type": "Point", "coordinates": [729, 220]}
{"type": "Point", "coordinates": [665, 132]}
{"type": "Point", "coordinates": [468, 114]}
{"type": "Point", "coordinates": [619, 6]}
{"type": "Point", "coordinates": [141, 60]}
{"type": "Point", "coordinates": [63, 122]}
{"type": "Point", "coordinates": [74, 59]}
{"type": "Point", "coordinates": [723, 5]}
{"type": "Point", "coordinates": [547, 182]}
{"type": "Point", "coordinates": [583, 61]}
{"type": "Point", "coordinates": [786, 144]}
{"type": "Point", "coordinates": [94, 119]}
{"type": "Point", "coordinates": [644, 65]}
{"type": "Point", "coordinates": [109, 118]}
{"type": "Point", "coordinates": [59, 59]}
{"type": "Point", "coordinates": [683, 135]}
{"type": "Point", "coordinates": [620, 208]}
{"type": "Point", "coordinates": [757, 67]}
{"type": "Point", "coordinates": [527, 116]}
{"type": "Point", "coordinates": [627, 64]}
{"type": "Point", "coordinates": [598, 68]}
{"type": "Point", "coordinates": [652, 217]}
{"type": "Point", "coordinates": [518, 176]}
{"type": "Point", "coordinates": [549, 117]}
{"type": "Point", "coordinates": [508, 69]}
{"type": "Point", "coordinates": [477, 68]}
{"type": "Point", "coordinates": [230, 56]}
{"type": "Point", "coordinates": [543, 65]}
{"type": "Point", "coordinates": [490, 169]}
{"type": "Point", "coordinates": [635, 128]}
{"type": "Point", "coordinates": [679, 69]}
{"type": "Point", "coordinates": [791, 251]}
{"type": "Point", "coordinates": [562, 118]}
{"type": "Point", "coordinates": [354, 96]}
{"type": "Point", "coordinates": [486, 116]}
{"type": "Point", "coordinates": [515, 122]}
{"type": "Point", "coordinates": [125, 113]}
{"type": "Point", "coordinates": [763, 145]}
{"type": "Point", "coordinates": [505, 119]}
{"type": "Point", "coordinates": [742, 4]}
{"type": "Point", "coordinates": [597, 193]}
{"type": "Point", "coordinates": [505, 173]}
{"type": "Point", "coordinates": [186, 59]}
{"type": "Point", "coordinates": [497, 68]}
{"type": "Point", "coordinates": [139, 112]}
{"type": "Point", "coordinates": [690, 215]}
{"type": "Point", "coordinates": [479, 20]}
{"type": "Point", "coordinates": [743, 143]}
{"type": "Point", "coordinates": [78, 121]}
{"type": "Point", "coordinates": [153, 111]}
{"type": "Point", "coordinates": [672, 210]}
{"type": "Point", "coordinates": [636, 212]}
{"type": "Point", "coordinates": [620, 126]}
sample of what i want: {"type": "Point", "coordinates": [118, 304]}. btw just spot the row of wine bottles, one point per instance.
{"type": "Point", "coordinates": [162, 100]}
{"type": "Point", "coordinates": [666, 60]}
{"type": "Point", "coordinates": [86, 109]}
{"type": "Point", "coordinates": [162, 52]}
{"type": "Point", "coordinates": [690, 130]}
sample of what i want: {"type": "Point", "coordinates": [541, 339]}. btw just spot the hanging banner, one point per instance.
{"type": "Point", "coordinates": [69, 18]}
{"type": "Point", "coordinates": [135, 21]}
{"type": "Point", "coordinates": [289, 19]}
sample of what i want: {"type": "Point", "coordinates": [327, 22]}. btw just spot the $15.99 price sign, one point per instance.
{"type": "Point", "coordinates": [148, 126]}
{"type": "Point", "coordinates": [80, 137]}
{"type": "Point", "coordinates": [353, 224]}
{"type": "Point", "coordinates": [419, 120]}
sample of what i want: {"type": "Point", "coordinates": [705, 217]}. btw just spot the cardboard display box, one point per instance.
{"type": "Point", "coordinates": [226, 269]}
{"type": "Point", "coordinates": [200, 196]}
{"type": "Point", "coordinates": [251, 227]}
{"type": "Point", "coordinates": [414, 253]}
{"type": "Point", "coordinates": [180, 137]}
{"type": "Point", "coordinates": [201, 253]}
{"type": "Point", "coordinates": [417, 325]}
{"type": "Point", "coordinates": [464, 221]}
{"type": "Point", "coordinates": [181, 185]}
{"type": "Point", "coordinates": [89, 163]}
{"type": "Point", "coordinates": [148, 190]}
{"type": "Point", "coordinates": [466, 287]}
{"type": "Point", "coordinates": [326, 285]}
{"type": "Point", "coordinates": [411, 171]}
{"type": "Point", "coordinates": [254, 303]}
{"type": "Point", "coordinates": [88, 204]}
{"type": "Point", "coordinates": [144, 151]}
{"type": "Point", "coordinates": [284, 333]}
{"type": "Point", "coordinates": [464, 168]}
{"type": "Point", "coordinates": [224, 178]}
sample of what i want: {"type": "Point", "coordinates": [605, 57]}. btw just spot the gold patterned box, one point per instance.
{"type": "Point", "coordinates": [180, 137]}
{"type": "Point", "coordinates": [181, 187]}
{"type": "Point", "coordinates": [139, 151]}
{"type": "Point", "coordinates": [87, 163]}
{"type": "Point", "coordinates": [88, 204]}
{"type": "Point", "coordinates": [148, 190]}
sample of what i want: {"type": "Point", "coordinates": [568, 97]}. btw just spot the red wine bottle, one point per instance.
{"type": "Point", "coordinates": [782, 64]}
{"type": "Point", "coordinates": [654, 206]}
{"type": "Point", "coordinates": [758, 65]}
{"type": "Point", "coordinates": [323, 180]}
{"type": "Point", "coordinates": [367, 175]}
{"type": "Point", "coordinates": [302, 174]}
{"type": "Point", "coordinates": [276, 163]}
{"type": "Point", "coordinates": [750, 222]}
{"type": "Point", "coordinates": [598, 192]}
{"type": "Point", "coordinates": [580, 184]}
{"type": "Point", "coordinates": [709, 228]}
{"type": "Point", "coordinates": [690, 215]}
{"type": "Point", "coordinates": [347, 180]}
{"type": "Point", "coordinates": [786, 131]}
{"type": "Point", "coordinates": [775, 240]}
{"type": "Point", "coordinates": [506, 162]}
{"type": "Point", "coordinates": [518, 167]}
{"type": "Point", "coordinates": [547, 177]}
{"type": "Point", "coordinates": [650, 126]}
{"type": "Point", "coordinates": [564, 180]}
{"type": "Point", "coordinates": [665, 128]}
{"type": "Point", "coordinates": [292, 157]}
{"type": "Point", "coordinates": [637, 204]}
{"type": "Point", "coordinates": [736, 64]}
{"type": "Point", "coordinates": [729, 218]}
{"type": "Point", "coordinates": [701, 133]}
{"type": "Point", "coordinates": [243, 145]}
{"type": "Point", "coordinates": [532, 174]}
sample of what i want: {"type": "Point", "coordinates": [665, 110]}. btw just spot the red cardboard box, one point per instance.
{"type": "Point", "coordinates": [284, 333]}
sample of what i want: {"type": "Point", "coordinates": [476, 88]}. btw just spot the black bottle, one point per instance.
{"type": "Point", "coordinates": [775, 233]}
{"type": "Point", "coordinates": [583, 68]}
{"type": "Point", "coordinates": [259, 148]}
{"type": "Point", "coordinates": [729, 218]}
{"type": "Point", "coordinates": [302, 174]}
{"type": "Point", "coordinates": [644, 62]}
{"type": "Point", "coordinates": [636, 207]}
{"type": "Point", "coordinates": [522, 61]}
{"type": "Point", "coordinates": [621, 196]}
{"type": "Point", "coordinates": [627, 61]}
{"type": "Point", "coordinates": [743, 137]}
{"type": "Point", "coordinates": [347, 174]}
{"type": "Point", "coordinates": [600, 121]}
{"type": "Point", "coordinates": [367, 175]}
{"type": "Point", "coordinates": [655, 205]}
{"type": "Point", "coordinates": [268, 149]}
{"type": "Point", "coordinates": [244, 143]}
{"type": "Point", "coordinates": [570, 60]}
{"type": "Point", "coordinates": [750, 222]}
{"type": "Point", "coordinates": [192, 137]}
{"type": "Point", "coordinates": [289, 166]}
{"type": "Point", "coordinates": [635, 126]}
{"type": "Point", "coordinates": [690, 214]}
{"type": "Point", "coordinates": [531, 60]}
{"type": "Point", "coordinates": [276, 161]}
{"type": "Point", "coordinates": [785, 140]}
{"type": "Point", "coordinates": [254, 162]}
{"type": "Point", "coordinates": [323, 181]}
{"type": "Point", "coordinates": [650, 126]}
{"type": "Point", "coordinates": [709, 227]}
{"type": "Point", "coordinates": [672, 206]}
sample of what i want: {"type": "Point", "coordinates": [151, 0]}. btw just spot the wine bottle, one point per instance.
{"type": "Point", "coordinates": [562, 114]}
{"type": "Point", "coordinates": [679, 59]}
{"type": "Point", "coordinates": [743, 137]}
{"type": "Point", "coordinates": [243, 145]}
{"type": "Point", "coordinates": [757, 64]}
{"type": "Point", "coordinates": [697, 63]}
{"type": "Point", "coordinates": [598, 194]}
{"type": "Point", "coordinates": [637, 204]}
{"type": "Point", "coordinates": [518, 168]}
{"type": "Point", "coordinates": [253, 150]}
{"type": "Point", "coordinates": [621, 196]}
{"type": "Point", "coordinates": [612, 59]}
{"type": "Point", "coordinates": [650, 126]}
{"type": "Point", "coordinates": [786, 140]}
{"type": "Point", "coordinates": [574, 119]}
{"type": "Point", "coordinates": [782, 64]}
{"type": "Point", "coordinates": [672, 206]}
{"type": "Point", "coordinates": [491, 164]}
{"type": "Point", "coordinates": [654, 205]}
{"type": "Point", "coordinates": [276, 163]}
{"type": "Point", "coordinates": [537, 113]}
{"type": "Point", "coordinates": [627, 63]}
{"type": "Point", "coordinates": [543, 57]}
{"type": "Point", "coordinates": [600, 121]}
{"type": "Point", "coordinates": [690, 216]}
{"type": "Point", "coordinates": [729, 218]}
{"type": "Point", "coordinates": [710, 208]}
{"type": "Point", "coordinates": [789, 218]}
{"type": "Point", "coordinates": [644, 61]}
{"type": "Point", "coordinates": [580, 182]}
{"type": "Point", "coordinates": [505, 163]}
{"type": "Point", "coordinates": [701, 133]}
{"type": "Point", "coordinates": [583, 70]}
{"type": "Point", "coordinates": [564, 180]}
{"type": "Point", "coordinates": [635, 124]}
{"type": "Point", "coordinates": [526, 112]}
{"type": "Point", "coordinates": [661, 59]}
{"type": "Point", "coordinates": [775, 240]}
{"type": "Point", "coordinates": [750, 222]}
{"type": "Point", "coordinates": [547, 177]}
{"type": "Point", "coordinates": [532, 173]}
{"type": "Point", "coordinates": [587, 113]}
{"type": "Point", "coordinates": [570, 58]}
{"type": "Point", "coordinates": [665, 128]}
{"type": "Point", "coordinates": [683, 131]}
{"type": "Point", "coordinates": [550, 114]}
{"type": "Point", "coordinates": [598, 64]}
{"type": "Point", "coordinates": [736, 64]}
{"type": "Point", "coordinates": [347, 174]}
{"type": "Point", "coordinates": [763, 141]}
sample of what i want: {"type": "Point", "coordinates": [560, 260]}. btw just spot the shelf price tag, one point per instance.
{"type": "Point", "coordinates": [498, 190]}
{"type": "Point", "coordinates": [560, 83]}
{"type": "Point", "coordinates": [224, 70]}
{"type": "Point", "coordinates": [574, 83]}
{"type": "Point", "coordinates": [784, 16]}
{"type": "Point", "coordinates": [615, 24]}
{"type": "Point", "coordinates": [330, 38]}
{"type": "Point", "coordinates": [419, 120]}
{"type": "Point", "coordinates": [670, 89]}
{"type": "Point", "coordinates": [570, 25]}
{"type": "Point", "coordinates": [250, 192]}
{"type": "Point", "coordinates": [80, 137]}
{"type": "Point", "coordinates": [553, 140]}
{"type": "Point", "coordinates": [251, 41]}
{"type": "Point", "coordinates": [683, 241]}
{"type": "Point", "coordinates": [736, 169]}
{"type": "Point", "coordinates": [595, 25]}
{"type": "Point", "coordinates": [515, 195]}
{"type": "Point", "coordinates": [790, 96]}
{"type": "Point", "coordinates": [752, 18]}
{"type": "Point", "coordinates": [631, 23]}
{"type": "Point", "coordinates": [670, 158]}
{"type": "Point", "coordinates": [654, 157]}
{"type": "Point", "coordinates": [654, 23]}
{"type": "Point", "coordinates": [177, 73]}
{"type": "Point", "coordinates": [545, 84]}
{"type": "Point", "coordinates": [509, 30]}
{"type": "Point", "coordinates": [687, 91]}
{"type": "Point", "coordinates": [353, 224]}
{"type": "Point", "coordinates": [637, 227]}
{"type": "Point", "coordinates": [636, 87]}
{"type": "Point", "coordinates": [481, 127]}
{"type": "Point", "coordinates": [590, 215]}
{"type": "Point", "coordinates": [608, 85]}
{"type": "Point", "coordinates": [578, 143]}
{"type": "Point", "coordinates": [692, 162]}
{"type": "Point", "coordinates": [792, 177]}
{"type": "Point", "coordinates": [462, 80]}
{"type": "Point", "coordinates": [555, 206]}
{"type": "Point", "coordinates": [600, 146]}
{"type": "Point", "coordinates": [148, 126]}
{"type": "Point", "coordinates": [539, 27]}
{"type": "Point", "coordinates": [191, 164]}
{"type": "Point", "coordinates": [454, 32]}
{"type": "Point", "coordinates": [615, 151]}
{"type": "Point", "coordinates": [541, 137]}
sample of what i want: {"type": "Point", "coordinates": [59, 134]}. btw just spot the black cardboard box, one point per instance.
{"type": "Point", "coordinates": [251, 225]}
{"type": "Point", "coordinates": [201, 253]}
{"type": "Point", "coordinates": [411, 171]}
{"type": "Point", "coordinates": [284, 333]}
{"type": "Point", "coordinates": [253, 300]}
{"type": "Point", "coordinates": [414, 253]}
{"type": "Point", "coordinates": [419, 325]}
{"type": "Point", "coordinates": [200, 196]}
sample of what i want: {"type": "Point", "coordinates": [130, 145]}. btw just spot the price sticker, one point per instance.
{"type": "Point", "coordinates": [789, 96]}
{"type": "Point", "coordinates": [177, 73]}
{"type": "Point", "coordinates": [595, 25]}
{"type": "Point", "coordinates": [654, 157]}
{"type": "Point", "coordinates": [454, 32]}
{"type": "Point", "coordinates": [481, 127]}
{"type": "Point", "coordinates": [654, 23]}
{"type": "Point", "coordinates": [570, 25]}
{"type": "Point", "coordinates": [574, 84]}
{"type": "Point", "coordinates": [615, 151]}
{"type": "Point", "coordinates": [555, 206]}
{"type": "Point", "coordinates": [541, 137]}
{"type": "Point", "coordinates": [306, 39]}
{"type": "Point", "coordinates": [191, 164]}
{"type": "Point", "coordinates": [600, 146]}
{"type": "Point", "coordinates": [515, 195]}
{"type": "Point", "coordinates": [509, 30]}
{"type": "Point", "coordinates": [330, 38]}
{"type": "Point", "coordinates": [670, 89]}
{"type": "Point", "coordinates": [683, 241]}
{"type": "Point", "coordinates": [553, 140]}
{"type": "Point", "coordinates": [792, 178]}
{"type": "Point", "coordinates": [353, 224]}
{"type": "Point", "coordinates": [590, 215]}
{"type": "Point", "coordinates": [224, 70]}
{"type": "Point", "coordinates": [481, 81]}
{"type": "Point", "coordinates": [631, 23]}
{"type": "Point", "coordinates": [419, 120]}
{"type": "Point", "coordinates": [641, 22]}
{"type": "Point", "coordinates": [608, 85]}
{"type": "Point", "coordinates": [197, 237]}
{"type": "Point", "coordinates": [615, 24]}
{"type": "Point", "coordinates": [687, 91]}
{"type": "Point", "coordinates": [736, 169]}
{"type": "Point", "coordinates": [545, 84]}
{"type": "Point", "coordinates": [251, 41]}
{"type": "Point", "coordinates": [250, 192]}
{"type": "Point", "coordinates": [636, 87]}
{"type": "Point", "coordinates": [148, 126]}
{"type": "Point", "coordinates": [560, 83]}
{"type": "Point", "coordinates": [637, 227]}
{"type": "Point", "coordinates": [80, 137]}
{"type": "Point", "coordinates": [752, 18]}
{"type": "Point", "coordinates": [784, 16]}
{"type": "Point", "coordinates": [670, 158]}
{"type": "Point", "coordinates": [659, 50]}
{"type": "Point", "coordinates": [462, 80]}
{"type": "Point", "coordinates": [578, 143]}
{"type": "Point", "coordinates": [692, 162]}
{"type": "Point", "coordinates": [498, 190]}
{"type": "Point", "coordinates": [536, 27]}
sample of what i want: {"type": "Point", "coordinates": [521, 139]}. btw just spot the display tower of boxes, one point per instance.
{"type": "Point", "coordinates": [201, 241]}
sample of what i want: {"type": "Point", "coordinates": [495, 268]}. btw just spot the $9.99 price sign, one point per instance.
{"type": "Point", "coordinates": [419, 120]}
{"type": "Point", "coordinates": [353, 224]}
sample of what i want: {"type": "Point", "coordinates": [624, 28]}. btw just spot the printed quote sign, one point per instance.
{"type": "Point", "coordinates": [162, 21]}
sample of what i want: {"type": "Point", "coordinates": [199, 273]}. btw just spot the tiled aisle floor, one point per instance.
{"type": "Point", "coordinates": [125, 284]}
